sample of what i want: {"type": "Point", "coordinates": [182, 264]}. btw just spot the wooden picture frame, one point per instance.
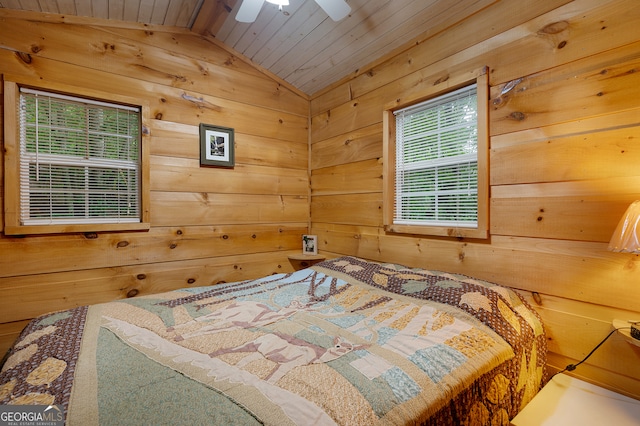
{"type": "Point", "coordinates": [310, 244]}
{"type": "Point", "coordinates": [216, 146]}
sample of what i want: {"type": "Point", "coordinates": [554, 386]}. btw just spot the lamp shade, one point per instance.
{"type": "Point", "coordinates": [626, 237]}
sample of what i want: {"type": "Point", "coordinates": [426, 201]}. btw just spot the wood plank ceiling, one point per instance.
{"type": "Point", "coordinates": [300, 44]}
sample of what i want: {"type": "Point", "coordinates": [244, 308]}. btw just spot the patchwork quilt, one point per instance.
{"type": "Point", "coordinates": [346, 342]}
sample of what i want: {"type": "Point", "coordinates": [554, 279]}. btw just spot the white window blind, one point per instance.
{"type": "Point", "coordinates": [79, 160]}
{"type": "Point", "coordinates": [437, 161]}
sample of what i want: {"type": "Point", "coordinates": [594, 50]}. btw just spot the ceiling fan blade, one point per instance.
{"type": "Point", "coordinates": [248, 11]}
{"type": "Point", "coordinates": [336, 9]}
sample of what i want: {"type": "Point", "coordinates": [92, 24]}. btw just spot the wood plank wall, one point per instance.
{"type": "Point", "coordinates": [564, 165]}
{"type": "Point", "coordinates": [207, 225]}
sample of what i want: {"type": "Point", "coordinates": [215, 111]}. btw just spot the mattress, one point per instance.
{"type": "Point", "coordinates": [346, 341]}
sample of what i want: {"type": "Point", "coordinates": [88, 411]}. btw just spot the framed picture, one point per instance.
{"type": "Point", "coordinates": [309, 244]}
{"type": "Point", "coordinates": [216, 146]}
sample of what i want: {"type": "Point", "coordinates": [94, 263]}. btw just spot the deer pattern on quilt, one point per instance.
{"type": "Point", "coordinates": [239, 314]}
{"type": "Point", "coordinates": [287, 352]}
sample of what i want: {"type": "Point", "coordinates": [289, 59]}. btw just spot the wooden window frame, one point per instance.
{"type": "Point", "coordinates": [389, 160]}
{"type": "Point", "coordinates": [12, 224]}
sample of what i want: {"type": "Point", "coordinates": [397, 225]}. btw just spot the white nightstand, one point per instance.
{"type": "Point", "coordinates": [569, 401]}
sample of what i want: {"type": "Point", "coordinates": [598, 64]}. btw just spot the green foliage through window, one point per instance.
{"type": "Point", "coordinates": [437, 161]}
{"type": "Point", "coordinates": [80, 160]}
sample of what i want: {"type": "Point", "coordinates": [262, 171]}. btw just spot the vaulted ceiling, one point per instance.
{"type": "Point", "coordinates": [300, 44]}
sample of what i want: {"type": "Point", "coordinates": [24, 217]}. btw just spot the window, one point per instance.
{"type": "Point", "coordinates": [79, 163]}
{"type": "Point", "coordinates": [79, 160]}
{"type": "Point", "coordinates": [436, 165]}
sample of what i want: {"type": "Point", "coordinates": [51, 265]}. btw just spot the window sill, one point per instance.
{"type": "Point", "coordinates": [66, 229]}
{"type": "Point", "coordinates": [438, 231]}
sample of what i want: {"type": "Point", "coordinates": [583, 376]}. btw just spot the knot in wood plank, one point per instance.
{"type": "Point", "coordinates": [24, 57]}
{"type": "Point", "coordinates": [517, 115]}
{"type": "Point", "coordinates": [554, 28]}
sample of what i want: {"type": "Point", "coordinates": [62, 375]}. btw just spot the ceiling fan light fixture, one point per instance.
{"type": "Point", "coordinates": [336, 9]}
{"type": "Point", "coordinates": [249, 9]}
{"type": "Point", "coordinates": [279, 2]}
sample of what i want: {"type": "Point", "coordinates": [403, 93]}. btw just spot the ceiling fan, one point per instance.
{"type": "Point", "coordinates": [249, 9]}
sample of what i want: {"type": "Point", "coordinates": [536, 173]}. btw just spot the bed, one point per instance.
{"type": "Point", "coordinates": [346, 341]}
